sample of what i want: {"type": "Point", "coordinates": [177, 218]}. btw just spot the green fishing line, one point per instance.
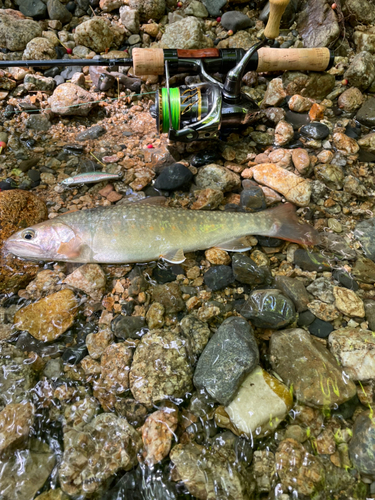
{"type": "Point", "coordinates": [175, 108]}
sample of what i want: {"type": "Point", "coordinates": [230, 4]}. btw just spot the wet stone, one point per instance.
{"type": "Point", "coordinates": [15, 422]}
{"type": "Point", "coordinates": [204, 158]}
{"type": "Point", "coordinates": [324, 383]}
{"type": "Point", "coordinates": [365, 233]}
{"type": "Point", "coordinates": [74, 355]}
{"type": "Point", "coordinates": [315, 130]}
{"type": "Point", "coordinates": [362, 445]}
{"type": "Point", "coordinates": [295, 290]}
{"type": "Point", "coordinates": [197, 331]}
{"type": "Point", "coordinates": [370, 313]}
{"type": "Point", "coordinates": [134, 412]}
{"type": "Point", "coordinates": [234, 20]}
{"type": "Point", "coordinates": [310, 261]}
{"type": "Point", "coordinates": [91, 133]}
{"type": "Point", "coordinates": [218, 277]}
{"type": "Point", "coordinates": [319, 328]}
{"type": "Point", "coordinates": [217, 177]}
{"type": "Point", "coordinates": [173, 177]}
{"type": "Point", "coordinates": [158, 433]}
{"type": "Point", "coordinates": [245, 270]}
{"type": "Point", "coordinates": [366, 115]}
{"type": "Point", "coordinates": [220, 371]}
{"type": "Point", "coordinates": [306, 318]}
{"type": "Point", "coordinates": [169, 296]}
{"type": "Point", "coordinates": [125, 327]}
{"type": "Point", "coordinates": [322, 289]}
{"type": "Point", "coordinates": [269, 309]}
{"type": "Point", "coordinates": [297, 120]}
{"type": "Point", "coordinates": [253, 198]}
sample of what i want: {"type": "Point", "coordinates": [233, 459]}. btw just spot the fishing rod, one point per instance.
{"type": "Point", "coordinates": [206, 110]}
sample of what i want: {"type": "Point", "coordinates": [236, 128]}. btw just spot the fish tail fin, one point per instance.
{"type": "Point", "coordinates": [286, 226]}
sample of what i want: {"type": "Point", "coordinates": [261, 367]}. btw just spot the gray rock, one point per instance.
{"type": "Point", "coordinates": [148, 9]}
{"type": "Point", "coordinates": [197, 331]}
{"type": "Point", "coordinates": [68, 72]}
{"type": "Point", "coordinates": [96, 33]}
{"type": "Point", "coordinates": [196, 9]}
{"type": "Point", "coordinates": [359, 11]}
{"type": "Point", "coordinates": [132, 327]}
{"type": "Point", "coordinates": [362, 444]}
{"type": "Point", "coordinates": [318, 24]}
{"type": "Point", "coordinates": [39, 48]}
{"type": "Point", "coordinates": [365, 234]}
{"type": "Point", "coordinates": [32, 8]}
{"type": "Point", "coordinates": [214, 6]}
{"type": "Point", "coordinates": [54, 368]}
{"type": "Point", "coordinates": [130, 18]}
{"type": "Point", "coordinates": [218, 277]}
{"type": "Point", "coordinates": [235, 21]}
{"type": "Point", "coordinates": [311, 261]}
{"type": "Point", "coordinates": [58, 12]}
{"type": "Point", "coordinates": [38, 82]}
{"type": "Point", "coordinates": [295, 290]}
{"type": "Point", "coordinates": [304, 363]}
{"type": "Point", "coordinates": [245, 270]}
{"type": "Point", "coordinates": [185, 34]}
{"type": "Point", "coordinates": [59, 80]}
{"type": "Point", "coordinates": [366, 114]}
{"type": "Point", "coordinates": [217, 177]}
{"type": "Point", "coordinates": [370, 313]}
{"type": "Point", "coordinates": [361, 72]}
{"type": "Point", "coordinates": [16, 33]}
{"type": "Point", "coordinates": [314, 85]}
{"type": "Point", "coordinates": [69, 99]}
{"type": "Point", "coordinates": [228, 357]}
{"type": "Point", "coordinates": [322, 289]}
{"type": "Point", "coordinates": [269, 309]}
{"type": "Point", "coordinates": [91, 133]}
{"type": "Point", "coordinates": [38, 122]}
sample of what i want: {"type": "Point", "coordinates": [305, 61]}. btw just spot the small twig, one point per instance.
{"type": "Point", "coordinates": [92, 154]}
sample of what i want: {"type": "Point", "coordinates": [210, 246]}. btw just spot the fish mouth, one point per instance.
{"type": "Point", "coordinates": [23, 249]}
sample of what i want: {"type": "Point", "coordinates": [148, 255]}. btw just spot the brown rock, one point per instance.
{"type": "Point", "coordinates": [155, 316]}
{"type": "Point", "coordinates": [301, 160]}
{"type": "Point", "coordinates": [115, 366]}
{"type": "Point", "coordinates": [48, 318]}
{"type": "Point", "coordinates": [97, 343]}
{"type": "Point", "coordinates": [15, 422]}
{"type": "Point", "coordinates": [346, 145]}
{"type": "Point", "coordinates": [169, 296]}
{"type": "Point", "coordinates": [208, 199]}
{"type": "Point", "coordinates": [114, 196]}
{"type": "Point", "coordinates": [316, 112]}
{"type": "Point", "coordinates": [294, 188]}
{"type": "Point", "coordinates": [143, 123]}
{"type": "Point", "coordinates": [348, 302]}
{"type": "Point", "coordinates": [65, 98]}
{"type": "Point", "coordinates": [90, 278]}
{"type": "Point", "coordinates": [217, 256]}
{"type": "Point", "coordinates": [323, 311]}
{"type": "Point", "coordinates": [351, 99]}
{"type": "Point", "coordinates": [300, 104]}
{"type": "Point", "coordinates": [325, 443]}
{"type": "Point", "coordinates": [275, 93]}
{"type": "Point", "coordinates": [18, 210]}
{"type": "Point", "coordinates": [157, 434]}
{"type": "Point", "coordinates": [283, 133]}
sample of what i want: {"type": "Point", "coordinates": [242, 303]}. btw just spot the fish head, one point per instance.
{"type": "Point", "coordinates": [41, 242]}
{"type": "Point", "coordinates": [67, 181]}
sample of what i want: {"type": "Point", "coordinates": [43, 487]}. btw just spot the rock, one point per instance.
{"type": "Point", "coordinates": [204, 471]}
{"type": "Point", "coordinates": [364, 270]}
{"type": "Point", "coordinates": [39, 49]}
{"type": "Point", "coordinates": [362, 445]}
{"type": "Point", "coordinates": [311, 261]}
{"type": "Point", "coordinates": [214, 6]}
{"type": "Point", "coordinates": [295, 290]}
{"type": "Point", "coordinates": [275, 93]}
{"type": "Point", "coordinates": [185, 34]}
{"type": "Point", "coordinates": [298, 469]}
{"type": "Point", "coordinates": [315, 130]}
{"type": "Point", "coordinates": [314, 85]}
{"type": "Point", "coordinates": [38, 122]}
{"type": "Point", "coordinates": [269, 309]}
{"type": "Point", "coordinates": [48, 318]}
{"type": "Point", "coordinates": [363, 12]}
{"type": "Point", "coordinates": [364, 41]}
{"type": "Point", "coordinates": [155, 316]}
{"type": "Point", "coordinates": [325, 312]}
{"type": "Point", "coordinates": [217, 257]}
{"type": "Point", "coordinates": [58, 11]}
{"type": "Point", "coordinates": [196, 9]}
{"type": "Point", "coordinates": [320, 328]}
{"type": "Point", "coordinates": [322, 289]}
{"type": "Point", "coordinates": [129, 18]}
{"type": "Point", "coordinates": [65, 99]}
{"type": "Point", "coordinates": [364, 233]}
{"type": "Point", "coordinates": [284, 133]}
{"type": "Point", "coordinates": [207, 199]}
{"type": "Point", "coordinates": [169, 296]}
{"type": "Point", "coordinates": [25, 472]}
{"type": "Point", "coordinates": [301, 160]}
{"type": "Point", "coordinates": [197, 331]}
{"type": "Point", "coordinates": [15, 422]}
{"type": "Point", "coordinates": [91, 133]}
{"type": "Point", "coordinates": [354, 349]}
{"type": "Point", "coordinates": [258, 407]}
{"type": "Point", "coordinates": [97, 342]}
{"type": "Point", "coordinates": [345, 279]}
{"type": "Point", "coordinates": [253, 199]}
{"type": "Point", "coordinates": [35, 8]}
{"type": "Point", "coordinates": [133, 327]}
{"type": "Point", "coordinates": [245, 270]}
{"type": "Point", "coordinates": [294, 188]}
{"type": "Point", "coordinates": [173, 177]}
{"type": "Point", "coordinates": [300, 104]}
{"type": "Point", "coordinates": [16, 31]}
{"type": "Point", "coordinates": [218, 277]}
{"type": "Point", "coordinates": [361, 72]}
{"type": "Point", "coordinates": [96, 33]}
{"type": "Point", "coordinates": [18, 209]}
{"type": "Point", "coordinates": [56, 494]}
{"type": "Point", "coordinates": [274, 114]}
{"type": "Point", "coordinates": [204, 158]}
{"type": "Point", "coordinates": [217, 177]}
{"type": "Point", "coordinates": [316, 112]}
{"type": "Point", "coordinates": [367, 142]}
{"type": "Point", "coordinates": [160, 368]}
{"type": "Point", "coordinates": [229, 356]}
{"type": "Point", "coordinates": [324, 383]}
{"type": "Point", "coordinates": [366, 115]}
{"type": "Point", "coordinates": [331, 175]}
{"type": "Point", "coordinates": [318, 24]}
{"type": "Point", "coordinates": [115, 366]}
{"type": "Point", "coordinates": [134, 412]}
{"type": "Point", "coordinates": [351, 100]}
{"type": "Point", "coordinates": [148, 9]}
{"type": "Point", "coordinates": [240, 40]}
{"type": "Point", "coordinates": [370, 313]}
{"type": "Point", "coordinates": [157, 434]}
{"type": "Point", "coordinates": [111, 444]}
{"type": "Point", "coordinates": [90, 278]}
{"type": "Point", "coordinates": [348, 302]}
{"type": "Point", "coordinates": [345, 144]}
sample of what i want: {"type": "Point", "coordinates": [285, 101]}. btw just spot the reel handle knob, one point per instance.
{"type": "Point", "coordinates": [277, 9]}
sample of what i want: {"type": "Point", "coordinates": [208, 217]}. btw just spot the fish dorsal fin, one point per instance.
{"type": "Point", "coordinates": [174, 257]}
{"type": "Point", "coordinates": [237, 245]}
{"type": "Point", "coordinates": [153, 201]}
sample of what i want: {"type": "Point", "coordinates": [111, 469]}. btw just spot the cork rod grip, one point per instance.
{"type": "Point", "coordinates": [277, 9]}
{"type": "Point", "coordinates": [293, 59]}
{"type": "Point", "coordinates": [148, 61]}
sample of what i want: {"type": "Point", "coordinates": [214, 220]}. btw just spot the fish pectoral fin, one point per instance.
{"type": "Point", "coordinates": [153, 201]}
{"type": "Point", "coordinates": [237, 245]}
{"type": "Point", "coordinates": [174, 257]}
{"type": "Point", "coordinates": [71, 249]}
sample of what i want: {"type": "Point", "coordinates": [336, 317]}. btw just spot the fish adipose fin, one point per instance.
{"type": "Point", "coordinates": [237, 245]}
{"type": "Point", "coordinates": [71, 249]}
{"type": "Point", "coordinates": [174, 257]}
{"type": "Point", "coordinates": [287, 226]}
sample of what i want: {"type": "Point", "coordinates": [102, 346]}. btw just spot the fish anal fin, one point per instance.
{"type": "Point", "coordinates": [174, 257]}
{"type": "Point", "coordinates": [237, 245]}
{"type": "Point", "coordinates": [70, 249]}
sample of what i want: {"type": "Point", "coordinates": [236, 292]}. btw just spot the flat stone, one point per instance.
{"type": "Point", "coordinates": [229, 356]}
{"type": "Point", "coordinates": [323, 311]}
{"type": "Point", "coordinates": [246, 270]}
{"type": "Point", "coordinates": [311, 261]}
{"type": "Point", "coordinates": [324, 383]}
{"type": "Point", "coordinates": [354, 349]}
{"type": "Point", "coordinates": [364, 270]}
{"type": "Point", "coordinates": [348, 302]}
{"type": "Point", "coordinates": [89, 278]}
{"type": "Point", "coordinates": [295, 290]}
{"type": "Point", "coordinates": [345, 279]}
{"type": "Point", "coordinates": [361, 72]}
{"type": "Point", "coordinates": [366, 114]}
{"type": "Point", "coordinates": [218, 277]}
{"type": "Point", "coordinates": [318, 24]}
{"type": "Point", "coordinates": [91, 133]}
{"type": "Point", "coordinates": [269, 309]}
{"type": "Point", "coordinates": [216, 177]}
{"type": "Point", "coordinates": [15, 422]}
{"type": "Point", "coordinates": [362, 444]}
{"type": "Point", "coordinates": [320, 328]}
{"type": "Point", "coordinates": [322, 289]}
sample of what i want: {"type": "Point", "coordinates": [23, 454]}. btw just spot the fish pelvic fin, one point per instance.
{"type": "Point", "coordinates": [174, 257]}
{"type": "Point", "coordinates": [287, 227]}
{"type": "Point", "coordinates": [237, 245]}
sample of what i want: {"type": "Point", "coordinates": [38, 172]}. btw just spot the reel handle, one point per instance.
{"type": "Point", "coordinates": [277, 9]}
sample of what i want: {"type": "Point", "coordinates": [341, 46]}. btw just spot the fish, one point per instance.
{"type": "Point", "coordinates": [138, 232]}
{"type": "Point", "coordinates": [90, 178]}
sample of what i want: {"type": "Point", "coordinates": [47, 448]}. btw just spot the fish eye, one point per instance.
{"type": "Point", "coordinates": [28, 234]}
